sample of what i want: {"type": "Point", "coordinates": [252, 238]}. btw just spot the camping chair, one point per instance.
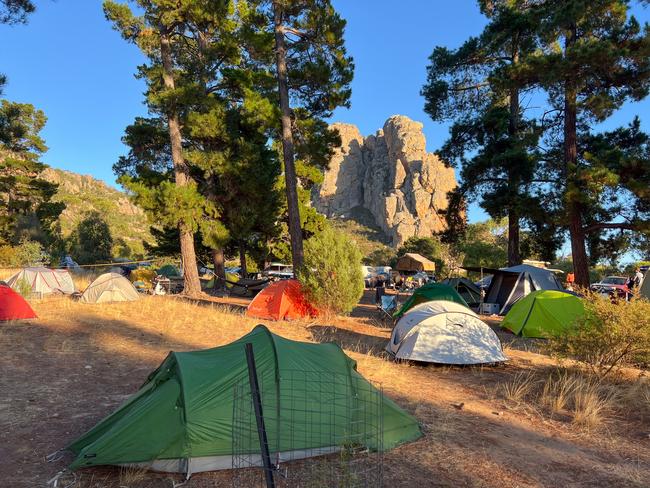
{"type": "Point", "coordinates": [387, 305]}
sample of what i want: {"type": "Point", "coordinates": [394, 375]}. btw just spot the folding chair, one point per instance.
{"type": "Point", "coordinates": [387, 306]}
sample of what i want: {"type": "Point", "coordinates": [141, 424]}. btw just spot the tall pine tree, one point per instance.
{"type": "Point", "coordinates": [313, 74]}
{"type": "Point", "coordinates": [490, 139]}
{"type": "Point", "coordinates": [593, 57]}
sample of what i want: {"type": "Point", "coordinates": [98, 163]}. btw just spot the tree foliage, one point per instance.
{"type": "Point", "coordinates": [91, 242]}
{"type": "Point", "coordinates": [15, 11]}
{"type": "Point", "coordinates": [26, 210]}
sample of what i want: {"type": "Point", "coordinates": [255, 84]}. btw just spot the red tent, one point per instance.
{"type": "Point", "coordinates": [282, 300]}
{"type": "Point", "coordinates": [13, 306]}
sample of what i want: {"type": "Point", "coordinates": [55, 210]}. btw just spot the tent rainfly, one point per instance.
{"type": "Point", "coordinates": [446, 333]}
{"type": "Point", "coordinates": [43, 281]}
{"type": "Point", "coordinates": [415, 263]}
{"type": "Point", "coordinates": [466, 289]}
{"type": "Point", "coordinates": [181, 419]}
{"type": "Point", "coordinates": [13, 306]}
{"type": "Point", "coordinates": [543, 313]}
{"type": "Point", "coordinates": [428, 293]}
{"type": "Point", "coordinates": [644, 291]}
{"type": "Point", "coordinates": [510, 284]}
{"type": "Point", "coordinates": [110, 287]}
{"type": "Point", "coordinates": [282, 300]}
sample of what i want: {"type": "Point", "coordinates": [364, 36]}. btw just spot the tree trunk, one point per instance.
{"type": "Point", "coordinates": [574, 209]}
{"type": "Point", "coordinates": [242, 261]}
{"type": "Point", "coordinates": [295, 230]}
{"type": "Point", "coordinates": [219, 269]}
{"type": "Point", "coordinates": [513, 215]}
{"type": "Point", "coordinates": [192, 285]}
{"type": "Point", "coordinates": [514, 258]}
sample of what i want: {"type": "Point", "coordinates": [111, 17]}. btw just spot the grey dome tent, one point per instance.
{"type": "Point", "coordinates": [43, 281]}
{"type": "Point", "coordinates": [110, 287]}
{"type": "Point", "coordinates": [510, 284]}
{"type": "Point", "coordinates": [446, 333]}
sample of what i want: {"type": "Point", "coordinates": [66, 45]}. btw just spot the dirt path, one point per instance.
{"type": "Point", "coordinates": [75, 364]}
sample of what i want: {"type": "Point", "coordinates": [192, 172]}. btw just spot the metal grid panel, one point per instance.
{"type": "Point", "coordinates": [324, 430]}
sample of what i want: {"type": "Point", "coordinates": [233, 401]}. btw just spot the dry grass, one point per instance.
{"type": "Point", "coordinates": [518, 388]}
{"type": "Point", "coordinates": [590, 403]}
{"type": "Point", "coordinates": [77, 362]}
{"type": "Point", "coordinates": [557, 390]}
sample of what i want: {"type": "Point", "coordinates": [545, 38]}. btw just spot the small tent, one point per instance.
{"type": "Point", "coordinates": [510, 284]}
{"type": "Point", "coordinates": [282, 300]}
{"type": "Point", "coordinates": [110, 287]}
{"type": "Point", "coordinates": [13, 306]}
{"type": "Point", "coordinates": [169, 271]}
{"type": "Point", "coordinates": [543, 313]}
{"type": "Point", "coordinates": [466, 289]}
{"type": "Point", "coordinates": [428, 293]}
{"type": "Point", "coordinates": [181, 419]}
{"type": "Point", "coordinates": [446, 333]}
{"type": "Point", "coordinates": [43, 281]}
{"type": "Point", "coordinates": [413, 262]}
{"type": "Point", "coordinates": [644, 290]}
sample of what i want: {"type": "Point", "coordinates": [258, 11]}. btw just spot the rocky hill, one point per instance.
{"type": "Point", "coordinates": [391, 175]}
{"type": "Point", "coordinates": [83, 194]}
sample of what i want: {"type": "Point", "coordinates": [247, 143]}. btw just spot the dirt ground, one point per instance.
{"type": "Point", "coordinates": [76, 363]}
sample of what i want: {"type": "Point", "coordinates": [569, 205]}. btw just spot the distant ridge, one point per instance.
{"type": "Point", "coordinates": [83, 194]}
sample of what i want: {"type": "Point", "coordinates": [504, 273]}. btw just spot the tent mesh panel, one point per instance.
{"type": "Point", "coordinates": [326, 430]}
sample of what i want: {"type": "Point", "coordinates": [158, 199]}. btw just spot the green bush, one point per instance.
{"type": "Point", "coordinates": [23, 288]}
{"type": "Point", "coordinates": [608, 336]}
{"type": "Point", "coordinates": [27, 253]}
{"type": "Point", "coordinates": [332, 276]}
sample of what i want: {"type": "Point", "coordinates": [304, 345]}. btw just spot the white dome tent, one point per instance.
{"type": "Point", "coordinates": [43, 281]}
{"type": "Point", "coordinates": [446, 333]}
{"type": "Point", "coordinates": [110, 287]}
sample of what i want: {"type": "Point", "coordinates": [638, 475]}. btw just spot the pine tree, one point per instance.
{"type": "Point", "coordinates": [313, 74]}
{"type": "Point", "coordinates": [158, 33]}
{"type": "Point", "coordinates": [26, 209]}
{"type": "Point", "coordinates": [491, 140]}
{"type": "Point", "coordinates": [593, 57]}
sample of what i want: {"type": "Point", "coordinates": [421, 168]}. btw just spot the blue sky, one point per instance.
{"type": "Point", "coordinates": [68, 62]}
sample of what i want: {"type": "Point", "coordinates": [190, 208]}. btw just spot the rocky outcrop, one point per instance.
{"type": "Point", "coordinates": [391, 175]}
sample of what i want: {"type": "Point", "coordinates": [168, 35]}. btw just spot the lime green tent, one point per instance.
{"type": "Point", "coordinates": [543, 313]}
{"type": "Point", "coordinates": [429, 293]}
{"type": "Point", "coordinates": [181, 419]}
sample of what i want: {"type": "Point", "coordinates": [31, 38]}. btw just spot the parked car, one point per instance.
{"type": "Point", "coordinates": [611, 285]}
{"type": "Point", "coordinates": [278, 270]}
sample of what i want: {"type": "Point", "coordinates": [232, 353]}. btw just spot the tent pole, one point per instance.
{"type": "Point", "coordinates": [259, 416]}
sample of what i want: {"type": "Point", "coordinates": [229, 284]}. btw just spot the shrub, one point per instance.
{"type": "Point", "coordinates": [23, 288]}
{"type": "Point", "coordinates": [608, 336]}
{"type": "Point", "coordinates": [27, 253]}
{"type": "Point", "coordinates": [332, 276]}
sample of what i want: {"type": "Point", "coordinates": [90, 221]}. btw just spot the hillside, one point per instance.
{"type": "Point", "coordinates": [83, 194]}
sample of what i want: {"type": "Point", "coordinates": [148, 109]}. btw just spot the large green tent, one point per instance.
{"type": "Point", "coordinates": [428, 293]}
{"type": "Point", "coordinates": [181, 419]}
{"type": "Point", "coordinates": [543, 313]}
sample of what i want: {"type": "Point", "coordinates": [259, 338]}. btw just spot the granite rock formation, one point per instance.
{"type": "Point", "coordinates": [391, 175]}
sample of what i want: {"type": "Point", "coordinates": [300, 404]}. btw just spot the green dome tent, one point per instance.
{"type": "Point", "coordinates": [543, 313]}
{"type": "Point", "coordinates": [429, 292]}
{"type": "Point", "coordinates": [181, 419]}
{"type": "Point", "coordinates": [169, 271]}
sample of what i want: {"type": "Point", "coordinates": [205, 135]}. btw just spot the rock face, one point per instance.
{"type": "Point", "coordinates": [391, 175]}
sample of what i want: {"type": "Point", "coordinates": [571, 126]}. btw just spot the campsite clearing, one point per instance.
{"type": "Point", "coordinates": [76, 363]}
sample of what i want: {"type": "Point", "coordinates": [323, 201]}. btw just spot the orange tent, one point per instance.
{"type": "Point", "coordinates": [282, 300]}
